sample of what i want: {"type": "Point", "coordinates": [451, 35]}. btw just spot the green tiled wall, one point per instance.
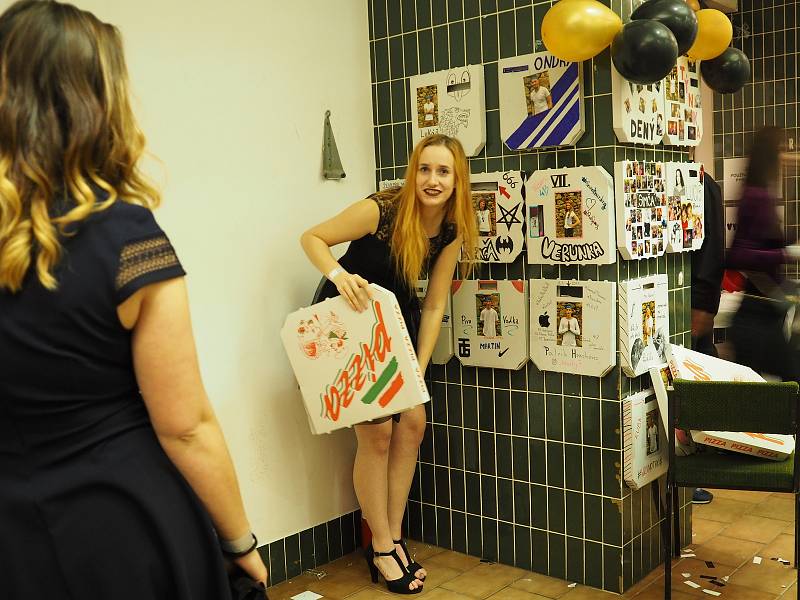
{"type": "Point", "coordinates": [522, 467]}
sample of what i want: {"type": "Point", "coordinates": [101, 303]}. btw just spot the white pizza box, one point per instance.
{"type": "Point", "coordinates": [541, 101]}
{"type": "Point", "coordinates": [443, 350]}
{"type": "Point", "coordinates": [573, 326]}
{"type": "Point", "coordinates": [685, 206]}
{"type": "Point", "coordinates": [643, 323]}
{"type": "Point", "coordinates": [353, 367]}
{"type": "Point", "coordinates": [695, 366]}
{"type": "Point", "coordinates": [490, 321]}
{"type": "Point", "coordinates": [500, 214]}
{"type": "Point", "coordinates": [571, 216]}
{"type": "Point", "coordinates": [451, 102]}
{"type": "Point", "coordinates": [644, 443]}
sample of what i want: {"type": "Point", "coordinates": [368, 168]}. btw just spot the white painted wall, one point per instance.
{"type": "Point", "coordinates": [232, 98]}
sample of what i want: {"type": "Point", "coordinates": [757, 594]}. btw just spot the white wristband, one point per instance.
{"type": "Point", "coordinates": [334, 272]}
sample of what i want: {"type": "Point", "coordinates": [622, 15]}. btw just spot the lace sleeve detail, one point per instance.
{"type": "Point", "coordinates": [388, 213]}
{"type": "Point", "coordinates": [144, 262]}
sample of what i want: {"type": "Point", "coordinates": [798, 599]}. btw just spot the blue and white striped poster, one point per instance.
{"type": "Point", "coordinates": [541, 101]}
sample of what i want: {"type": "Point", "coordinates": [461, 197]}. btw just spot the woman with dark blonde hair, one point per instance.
{"type": "Point", "coordinates": [399, 236]}
{"type": "Point", "coordinates": [115, 480]}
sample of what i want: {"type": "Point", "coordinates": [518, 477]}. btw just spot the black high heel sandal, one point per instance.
{"type": "Point", "coordinates": [413, 566]}
{"type": "Point", "coordinates": [396, 586]}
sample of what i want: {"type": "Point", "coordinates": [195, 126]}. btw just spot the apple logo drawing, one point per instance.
{"type": "Point", "coordinates": [544, 320]}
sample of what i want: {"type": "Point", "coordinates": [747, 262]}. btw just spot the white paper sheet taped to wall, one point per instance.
{"type": "Point", "coordinates": [353, 367]}
{"type": "Point", "coordinates": [571, 216]}
{"type": "Point", "coordinates": [490, 323]}
{"type": "Point", "coordinates": [643, 324]}
{"type": "Point", "coordinates": [644, 442]}
{"type": "Point", "coordinates": [573, 326]}
{"type": "Point", "coordinates": [541, 101]}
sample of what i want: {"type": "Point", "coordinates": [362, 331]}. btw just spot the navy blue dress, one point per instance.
{"type": "Point", "coordinates": [91, 508]}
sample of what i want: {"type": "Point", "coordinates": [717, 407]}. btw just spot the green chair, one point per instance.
{"type": "Point", "coordinates": [729, 406]}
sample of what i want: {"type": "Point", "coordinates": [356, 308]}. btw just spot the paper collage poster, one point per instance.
{"type": "Point", "coordinates": [645, 444]}
{"type": "Point", "coordinates": [451, 102]}
{"type": "Point", "coordinates": [686, 206]}
{"type": "Point", "coordinates": [573, 326]}
{"type": "Point", "coordinates": [353, 367]}
{"type": "Point", "coordinates": [643, 324]}
{"type": "Point", "coordinates": [570, 216]}
{"type": "Point", "coordinates": [490, 323]}
{"type": "Point", "coordinates": [541, 101]}
{"type": "Point", "coordinates": [682, 104]}
{"type": "Point", "coordinates": [641, 208]}
{"type": "Point", "coordinates": [638, 110]}
{"type": "Point", "coordinates": [443, 350]}
{"type": "Point", "coordinates": [500, 213]}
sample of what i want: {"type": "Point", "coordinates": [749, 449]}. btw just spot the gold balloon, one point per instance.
{"type": "Point", "coordinates": [693, 4]}
{"type": "Point", "coordinates": [714, 34]}
{"type": "Point", "coordinates": [576, 30]}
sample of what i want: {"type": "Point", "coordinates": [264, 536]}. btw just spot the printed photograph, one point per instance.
{"type": "Point", "coordinates": [536, 221]}
{"type": "Point", "coordinates": [570, 323]}
{"type": "Point", "coordinates": [537, 93]}
{"type": "Point", "coordinates": [485, 206]}
{"type": "Point", "coordinates": [648, 321]}
{"type": "Point", "coordinates": [651, 441]}
{"type": "Point", "coordinates": [487, 312]}
{"type": "Point", "coordinates": [691, 132]}
{"type": "Point", "coordinates": [672, 85]}
{"type": "Point", "coordinates": [428, 106]}
{"type": "Point", "coordinates": [568, 215]}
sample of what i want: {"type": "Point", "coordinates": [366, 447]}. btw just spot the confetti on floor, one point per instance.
{"type": "Point", "coordinates": [306, 596]}
{"type": "Point", "coordinates": [757, 560]}
{"type": "Point", "coordinates": [711, 592]}
{"type": "Point", "coordinates": [685, 575]}
{"type": "Point", "coordinates": [692, 584]}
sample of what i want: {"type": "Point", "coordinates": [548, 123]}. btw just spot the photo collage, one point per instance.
{"type": "Point", "coordinates": [682, 103]}
{"type": "Point", "coordinates": [645, 208]}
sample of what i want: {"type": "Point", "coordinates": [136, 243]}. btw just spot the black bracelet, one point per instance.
{"type": "Point", "coordinates": [231, 550]}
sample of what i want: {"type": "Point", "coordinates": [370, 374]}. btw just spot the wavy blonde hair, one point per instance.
{"type": "Point", "coordinates": [410, 244]}
{"type": "Point", "coordinates": [66, 131]}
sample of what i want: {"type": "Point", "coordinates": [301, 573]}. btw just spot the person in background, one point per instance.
{"type": "Point", "coordinates": [398, 237]}
{"type": "Point", "coordinates": [759, 252]}
{"type": "Point", "coordinates": [115, 479]}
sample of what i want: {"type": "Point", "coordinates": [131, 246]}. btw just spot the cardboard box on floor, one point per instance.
{"type": "Point", "coordinates": [683, 363]}
{"type": "Point", "coordinates": [353, 367]}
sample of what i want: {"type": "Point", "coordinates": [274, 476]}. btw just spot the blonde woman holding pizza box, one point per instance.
{"type": "Point", "coordinates": [397, 237]}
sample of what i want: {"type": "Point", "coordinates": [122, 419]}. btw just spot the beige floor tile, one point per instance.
{"type": "Point", "coordinates": [484, 580]}
{"type": "Point", "coordinates": [703, 529]}
{"type": "Point", "coordinates": [775, 507]}
{"type": "Point", "coordinates": [741, 495]}
{"type": "Point", "coordinates": [737, 592]}
{"type": "Point", "coordinates": [421, 551]}
{"type": "Point", "coordinates": [368, 594]}
{"type": "Point", "coordinates": [454, 560]}
{"type": "Point", "coordinates": [790, 593]}
{"type": "Point", "coordinates": [754, 528]}
{"type": "Point", "coordinates": [542, 585]}
{"type": "Point", "coordinates": [443, 594]}
{"type": "Point", "coordinates": [781, 547]}
{"type": "Point", "coordinates": [583, 592]}
{"type": "Point", "coordinates": [768, 577]}
{"type": "Point", "coordinates": [724, 510]}
{"type": "Point", "coordinates": [655, 591]}
{"type": "Point", "coordinates": [727, 550]}
{"type": "Point", "coordinates": [291, 587]}
{"type": "Point", "coordinates": [510, 593]}
{"type": "Point", "coordinates": [439, 574]}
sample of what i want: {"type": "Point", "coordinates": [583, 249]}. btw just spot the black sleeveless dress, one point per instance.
{"type": "Point", "coordinates": [371, 258]}
{"type": "Point", "coordinates": [91, 508]}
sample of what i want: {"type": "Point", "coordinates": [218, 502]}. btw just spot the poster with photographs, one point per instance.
{"type": "Point", "coordinates": [450, 102]}
{"type": "Point", "coordinates": [541, 101]}
{"type": "Point", "coordinates": [388, 184]}
{"type": "Point", "coordinates": [490, 323]}
{"type": "Point", "coordinates": [443, 350]}
{"type": "Point", "coordinates": [644, 442]}
{"type": "Point", "coordinates": [573, 326]}
{"type": "Point", "coordinates": [570, 216]}
{"type": "Point", "coordinates": [643, 323]}
{"type": "Point", "coordinates": [682, 106]}
{"type": "Point", "coordinates": [641, 208]}
{"type": "Point", "coordinates": [686, 206]}
{"type": "Point", "coordinates": [500, 214]}
{"type": "Point", "coordinates": [638, 110]}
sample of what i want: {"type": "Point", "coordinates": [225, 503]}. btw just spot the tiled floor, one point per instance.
{"type": "Point", "coordinates": [728, 532]}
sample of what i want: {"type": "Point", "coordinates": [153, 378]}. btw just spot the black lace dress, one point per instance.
{"type": "Point", "coordinates": [91, 508]}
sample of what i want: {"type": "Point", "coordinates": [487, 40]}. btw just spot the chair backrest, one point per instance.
{"type": "Point", "coordinates": [759, 407]}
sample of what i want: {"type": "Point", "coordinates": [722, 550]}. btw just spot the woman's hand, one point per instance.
{"type": "Point", "coordinates": [252, 565]}
{"type": "Point", "coordinates": [355, 289]}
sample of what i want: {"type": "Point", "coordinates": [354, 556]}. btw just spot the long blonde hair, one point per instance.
{"type": "Point", "coordinates": [409, 242]}
{"type": "Point", "coordinates": [66, 131]}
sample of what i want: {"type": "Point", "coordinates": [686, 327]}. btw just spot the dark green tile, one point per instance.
{"type": "Point", "coordinates": [409, 15]}
{"type": "Point", "coordinates": [384, 103]}
{"type": "Point", "coordinates": [471, 461]}
{"type": "Point", "coordinates": [396, 57]}
{"type": "Point", "coordinates": [574, 516]}
{"type": "Point", "coordinates": [277, 561]}
{"type": "Point", "coordinates": [429, 524]}
{"type": "Point", "coordinates": [572, 419]}
{"type": "Point", "coordinates": [604, 130]}
{"type": "Point", "coordinates": [612, 523]}
{"type": "Point", "coordinates": [489, 539]}
{"type": "Point", "coordinates": [505, 542]}
{"type": "Point", "coordinates": [459, 522]}
{"type": "Point", "coordinates": [457, 48]}
{"type": "Point", "coordinates": [399, 96]}
{"type": "Point", "coordinates": [593, 509]}
{"type": "Point", "coordinates": [541, 550]}
{"type": "Point", "coordinates": [507, 44]}
{"type": "Point", "coordinates": [505, 500]}
{"type": "Point", "coordinates": [612, 423]}
{"type": "Point", "coordinates": [502, 411]}
{"type": "Point", "coordinates": [535, 378]}
{"type": "Point", "coordinates": [503, 450]}
{"type": "Point", "coordinates": [492, 90]}
{"type": "Point", "coordinates": [441, 58]}
{"type": "Point", "coordinates": [555, 416]}
{"type": "Point", "coordinates": [386, 145]}
{"type": "Point", "coordinates": [440, 445]}
{"type": "Point", "coordinates": [488, 6]}
{"type": "Point", "coordinates": [592, 470]}
{"type": "Point", "coordinates": [539, 507]}
{"type": "Point", "coordinates": [472, 8]}
{"type": "Point", "coordinates": [557, 547]}
{"type": "Point", "coordinates": [473, 491]}
{"type": "Point", "coordinates": [524, 21]}
{"type": "Point", "coordinates": [472, 37]}
{"type": "Point", "coordinates": [612, 569]}
{"type": "Point", "coordinates": [379, 18]}
{"type": "Point", "coordinates": [552, 382]}
{"type": "Point", "coordinates": [443, 531]}
{"type": "Point", "coordinates": [522, 547]}
{"type": "Point", "coordinates": [489, 34]}
{"type": "Point", "coordinates": [505, 4]}
{"type": "Point", "coordinates": [573, 467]}
{"type": "Point", "coordinates": [425, 40]}
{"type": "Point", "coordinates": [536, 415]}
{"type": "Point", "coordinates": [474, 536]}
{"type": "Point", "coordinates": [539, 10]}
{"type": "Point", "coordinates": [395, 17]}
{"type": "Point", "coordinates": [439, 12]}
{"type": "Point", "coordinates": [519, 413]}
{"type": "Point", "coordinates": [555, 464]}
{"type": "Point", "coordinates": [486, 409]}
{"type": "Point", "coordinates": [522, 503]}
{"type": "Point", "coordinates": [593, 561]}
{"type": "Point", "coordinates": [423, 13]}
{"type": "Point", "coordinates": [574, 560]}
{"type": "Point", "coordinates": [455, 11]}
{"type": "Point", "coordinates": [493, 144]}
{"type": "Point", "coordinates": [487, 453]}
{"type": "Point", "coordinates": [321, 555]}
{"type": "Point", "coordinates": [538, 458]}
{"type": "Point", "coordinates": [458, 493]}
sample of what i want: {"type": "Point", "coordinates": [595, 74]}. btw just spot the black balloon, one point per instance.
{"type": "Point", "coordinates": [677, 15]}
{"type": "Point", "coordinates": [728, 72]}
{"type": "Point", "coordinates": [644, 51]}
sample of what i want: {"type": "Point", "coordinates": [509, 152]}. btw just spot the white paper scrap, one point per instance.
{"type": "Point", "coordinates": [757, 560]}
{"type": "Point", "coordinates": [691, 584]}
{"type": "Point", "coordinates": [711, 592]}
{"type": "Point", "coordinates": [572, 585]}
{"type": "Point", "coordinates": [726, 578]}
{"type": "Point", "coordinates": [685, 575]}
{"type": "Point", "coordinates": [307, 595]}
{"type": "Point", "coordinates": [688, 555]}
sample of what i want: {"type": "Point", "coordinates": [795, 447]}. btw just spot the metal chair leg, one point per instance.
{"type": "Point", "coordinates": [676, 521]}
{"type": "Point", "coordinates": [667, 543]}
{"type": "Point", "coordinates": [797, 535]}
